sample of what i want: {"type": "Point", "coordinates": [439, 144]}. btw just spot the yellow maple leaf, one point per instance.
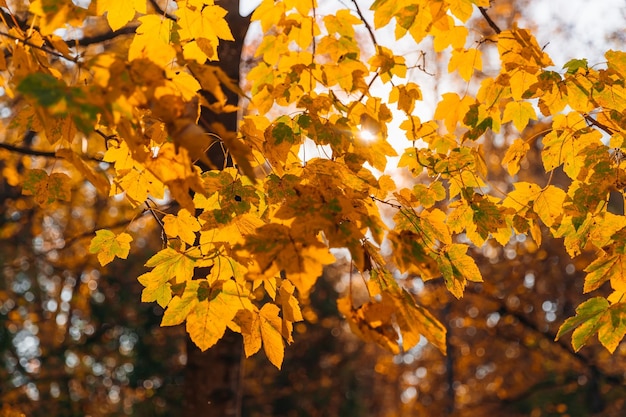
{"type": "Point", "coordinates": [271, 333]}
{"type": "Point", "coordinates": [461, 8]}
{"type": "Point", "coordinates": [607, 267]}
{"type": "Point", "coordinates": [520, 81]}
{"type": "Point", "coordinates": [97, 179]}
{"type": "Point", "coordinates": [186, 85]}
{"type": "Point", "coordinates": [183, 225]}
{"type": "Point", "coordinates": [207, 321]}
{"type": "Point", "coordinates": [414, 321]}
{"type": "Point", "coordinates": [465, 61]}
{"type": "Point", "coordinates": [152, 40]}
{"type": "Point", "coordinates": [250, 328]}
{"type": "Point", "coordinates": [207, 22]}
{"type": "Point", "coordinates": [289, 303]}
{"type": "Point", "coordinates": [308, 266]}
{"type": "Point", "coordinates": [514, 155]}
{"type": "Point", "coordinates": [549, 205]}
{"type": "Point", "coordinates": [108, 245]}
{"type": "Point", "coordinates": [454, 37]}
{"type": "Point", "coordinates": [157, 288]}
{"type": "Point", "coordinates": [138, 184]}
{"type": "Point", "coordinates": [372, 321]}
{"type": "Point", "coordinates": [274, 248]}
{"type": "Point", "coordinates": [119, 13]}
{"type": "Point", "coordinates": [170, 263]}
{"type": "Point", "coordinates": [451, 109]}
{"type": "Point", "coordinates": [519, 112]}
{"type": "Point", "coordinates": [179, 307]}
{"type": "Point", "coordinates": [546, 202]}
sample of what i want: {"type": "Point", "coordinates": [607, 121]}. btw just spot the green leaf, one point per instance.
{"type": "Point", "coordinates": [589, 317]}
{"type": "Point", "coordinates": [46, 89]}
{"type": "Point", "coordinates": [573, 65]}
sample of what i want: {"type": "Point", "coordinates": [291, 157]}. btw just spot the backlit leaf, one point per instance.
{"type": "Point", "coordinates": [207, 321]}
{"type": "Point", "coordinates": [271, 333]}
{"type": "Point", "coordinates": [108, 245]}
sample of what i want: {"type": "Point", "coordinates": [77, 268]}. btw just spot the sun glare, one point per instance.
{"type": "Point", "coordinates": [367, 135]}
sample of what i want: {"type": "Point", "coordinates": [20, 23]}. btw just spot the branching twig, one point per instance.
{"type": "Point", "coordinates": [396, 206]}
{"type": "Point", "coordinates": [41, 48]}
{"type": "Point", "coordinates": [599, 125]}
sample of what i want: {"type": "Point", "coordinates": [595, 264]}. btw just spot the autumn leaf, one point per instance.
{"type": "Point", "coordinates": [157, 288]}
{"type": "Point", "coordinates": [271, 333]}
{"type": "Point", "coordinates": [596, 316]}
{"type": "Point", "coordinates": [45, 188]}
{"type": "Point", "coordinates": [514, 155]}
{"type": "Point", "coordinates": [415, 321]}
{"type": "Point", "coordinates": [465, 61]}
{"type": "Point", "coordinates": [372, 321]}
{"type": "Point", "coordinates": [170, 263]}
{"type": "Point", "coordinates": [183, 225]}
{"type": "Point", "coordinates": [606, 268]}
{"type": "Point", "coordinates": [452, 109]}
{"type": "Point", "coordinates": [96, 178]}
{"type": "Point", "coordinates": [589, 317]}
{"type": "Point", "coordinates": [120, 13]}
{"type": "Point", "coordinates": [179, 307]}
{"type": "Point", "coordinates": [519, 112]}
{"type": "Point", "coordinates": [207, 320]}
{"type": "Point", "coordinates": [108, 245]}
{"type": "Point", "coordinates": [250, 328]}
{"type": "Point", "coordinates": [289, 303]}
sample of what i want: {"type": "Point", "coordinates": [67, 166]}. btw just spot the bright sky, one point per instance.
{"type": "Point", "coordinates": [577, 28]}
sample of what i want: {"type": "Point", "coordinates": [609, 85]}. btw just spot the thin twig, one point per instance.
{"type": "Point", "coordinates": [41, 48]}
{"type": "Point", "coordinates": [367, 25]}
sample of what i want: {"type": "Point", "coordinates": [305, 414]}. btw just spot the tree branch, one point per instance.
{"type": "Point", "coordinates": [491, 23]}
{"type": "Point", "coordinates": [27, 151]}
{"type": "Point", "coordinates": [162, 12]}
{"type": "Point", "coordinates": [43, 154]}
{"type": "Point", "coordinates": [107, 36]}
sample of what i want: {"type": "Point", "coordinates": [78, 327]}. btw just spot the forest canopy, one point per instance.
{"type": "Point", "coordinates": [333, 156]}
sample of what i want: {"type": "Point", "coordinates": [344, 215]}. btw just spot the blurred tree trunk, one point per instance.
{"type": "Point", "coordinates": [212, 381]}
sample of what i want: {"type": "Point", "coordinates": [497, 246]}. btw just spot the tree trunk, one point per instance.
{"type": "Point", "coordinates": [212, 378]}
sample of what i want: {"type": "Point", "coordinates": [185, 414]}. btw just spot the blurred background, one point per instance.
{"type": "Point", "coordinates": [75, 340]}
